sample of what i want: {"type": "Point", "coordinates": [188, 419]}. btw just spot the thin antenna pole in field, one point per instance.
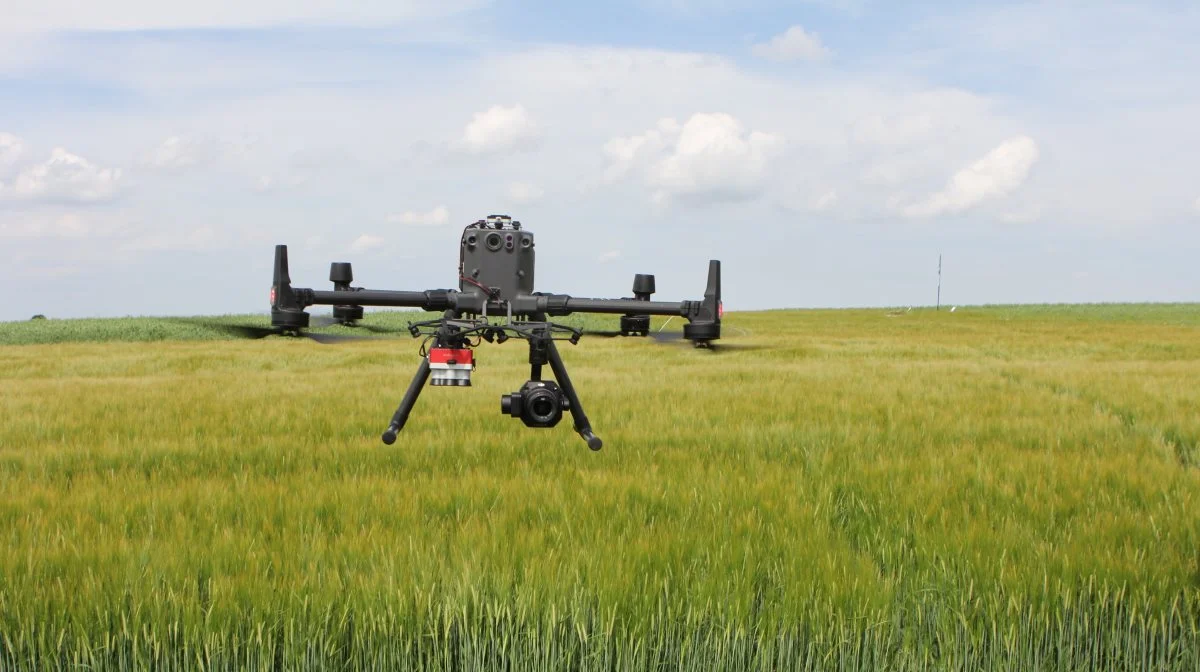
{"type": "Point", "coordinates": [939, 294]}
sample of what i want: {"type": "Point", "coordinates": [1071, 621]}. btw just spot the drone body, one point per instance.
{"type": "Point", "coordinates": [496, 263]}
{"type": "Point", "coordinates": [495, 301]}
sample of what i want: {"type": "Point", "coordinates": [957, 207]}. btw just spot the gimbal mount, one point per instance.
{"type": "Point", "coordinates": [539, 403]}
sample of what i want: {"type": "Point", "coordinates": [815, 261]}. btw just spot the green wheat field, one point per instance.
{"type": "Point", "coordinates": [993, 488]}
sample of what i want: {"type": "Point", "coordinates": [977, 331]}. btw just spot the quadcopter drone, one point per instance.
{"type": "Point", "coordinates": [494, 302]}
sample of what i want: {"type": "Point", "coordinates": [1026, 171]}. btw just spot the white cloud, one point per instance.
{"type": "Point", "coordinates": [902, 128]}
{"type": "Point", "coordinates": [435, 217]}
{"type": "Point", "coordinates": [609, 256]}
{"type": "Point", "coordinates": [197, 239]}
{"type": "Point", "coordinates": [714, 154]}
{"type": "Point", "coordinates": [1023, 213]}
{"type": "Point", "coordinates": [176, 153]}
{"type": "Point", "coordinates": [718, 7]}
{"type": "Point", "coordinates": [64, 223]}
{"type": "Point", "coordinates": [365, 242]}
{"type": "Point", "coordinates": [709, 158]}
{"type": "Point", "coordinates": [523, 193]}
{"type": "Point", "coordinates": [52, 15]}
{"type": "Point", "coordinates": [795, 44]}
{"type": "Point", "coordinates": [63, 177]}
{"type": "Point", "coordinates": [288, 180]}
{"type": "Point", "coordinates": [10, 150]}
{"type": "Point", "coordinates": [999, 173]}
{"type": "Point", "coordinates": [499, 129]}
{"type": "Point", "coordinates": [825, 201]}
{"type": "Point", "coordinates": [626, 153]}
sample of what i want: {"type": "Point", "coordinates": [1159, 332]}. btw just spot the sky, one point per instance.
{"type": "Point", "coordinates": [827, 152]}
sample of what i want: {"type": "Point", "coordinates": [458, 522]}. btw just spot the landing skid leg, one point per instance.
{"type": "Point", "coordinates": [406, 405]}
{"type": "Point", "coordinates": [578, 416]}
{"type": "Point", "coordinates": [414, 389]}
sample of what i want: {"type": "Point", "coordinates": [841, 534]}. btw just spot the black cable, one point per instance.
{"type": "Point", "coordinates": [487, 290]}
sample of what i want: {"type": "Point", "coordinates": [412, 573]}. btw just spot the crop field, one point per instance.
{"type": "Point", "coordinates": [994, 488]}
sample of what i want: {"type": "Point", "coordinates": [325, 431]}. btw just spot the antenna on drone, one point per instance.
{"type": "Point", "coordinates": [939, 292]}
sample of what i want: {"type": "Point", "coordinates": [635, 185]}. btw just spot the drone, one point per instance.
{"type": "Point", "coordinates": [494, 302]}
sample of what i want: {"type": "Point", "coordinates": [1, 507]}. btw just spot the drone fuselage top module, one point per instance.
{"type": "Point", "coordinates": [495, 301]}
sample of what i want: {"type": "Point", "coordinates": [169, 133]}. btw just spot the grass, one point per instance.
{"type": "Point", "coordinates": [997, 488]}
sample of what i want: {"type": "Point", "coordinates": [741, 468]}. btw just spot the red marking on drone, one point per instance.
{"type": "Point", "coordinates": [720, 309]}
{"type": "Point", "coordinates": [460, 356]}
{"type": "Point", "coordinates": [273, 296]}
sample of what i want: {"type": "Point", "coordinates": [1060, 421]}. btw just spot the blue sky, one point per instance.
{"type": "Point", "coordinates": [151, 155]}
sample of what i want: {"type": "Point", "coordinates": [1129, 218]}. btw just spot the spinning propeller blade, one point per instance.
{"type": "Point", "coordinates": [253, 332]}
{"type": "Point", "coordinates": [602, 334]}
{"type": "Point", "coordinates": [374, 328]}
{"type": "Point", "coordinates": [329, 339]}
{"type": "Point", "coordinates": [325, 321]}
{"type": "Point", "coordinates": [655, 336]}
{"type": "Point", "coordinates": [723, 346]}
{"type": "Point", "coordinates": [241, 331]}
{"type": "Point", "coordinates": [330, 321]}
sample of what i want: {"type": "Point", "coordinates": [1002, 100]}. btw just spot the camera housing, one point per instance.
{"type": "Point", "coordinates": [496, 259]}
{"type": "Point", "coordinates": [538, 403]}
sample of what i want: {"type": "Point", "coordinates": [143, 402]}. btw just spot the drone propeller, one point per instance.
{"type": "Point", "coordinates": [666, 336]}
{"type": "Point", "coordinates": [717, 348]}
{"type": "Point", "coordinates": [603, 334]}
{"type": "Point", "coordinates": [240, 331]}
{"type": "Point", "coordinates": [376, 329]}
{"type": "Point", "coordinates": [674, 337]}
{"type": "Point", "coordinates": [656, 336]}
{"type": "Point", "coordinates": [329, 321]}
{"type": "Point", "coordinates": [329, 339]}
{"type": "Point", "coordinates": [254, 332]}
{"type": "Point", "coordinates": [671, 337]}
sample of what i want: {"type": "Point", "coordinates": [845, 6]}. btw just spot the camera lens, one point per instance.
{"type": "Point", "coordinates": [471, 240]}
{"type": "Point", "coordinates": [541, 408]}
{"type": "Point", "coordinates": [494, 241]}
{"type": "Point", "coordinates": [537, 404]}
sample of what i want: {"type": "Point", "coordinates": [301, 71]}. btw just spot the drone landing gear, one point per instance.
{"type": "Point", "coordinates": [578, 417]}
{"type": "Point", "coordinates": [400, 417]}
{"type": "Point", "coordinates": [541, 403]}
{"type": "Point", "coordinates": [538, 403]}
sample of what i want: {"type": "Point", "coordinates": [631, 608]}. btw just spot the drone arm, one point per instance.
{"type": "Point", "coordinates": [565, 305]}
{"type": "Point", "coordinates": [440, 299]}
{"type": "Point", "coordinates": [704, 316]}
{"type": "Point", "coordinates": [706, 310]}
{"type": "Point", "coordinates": [432, 299]}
